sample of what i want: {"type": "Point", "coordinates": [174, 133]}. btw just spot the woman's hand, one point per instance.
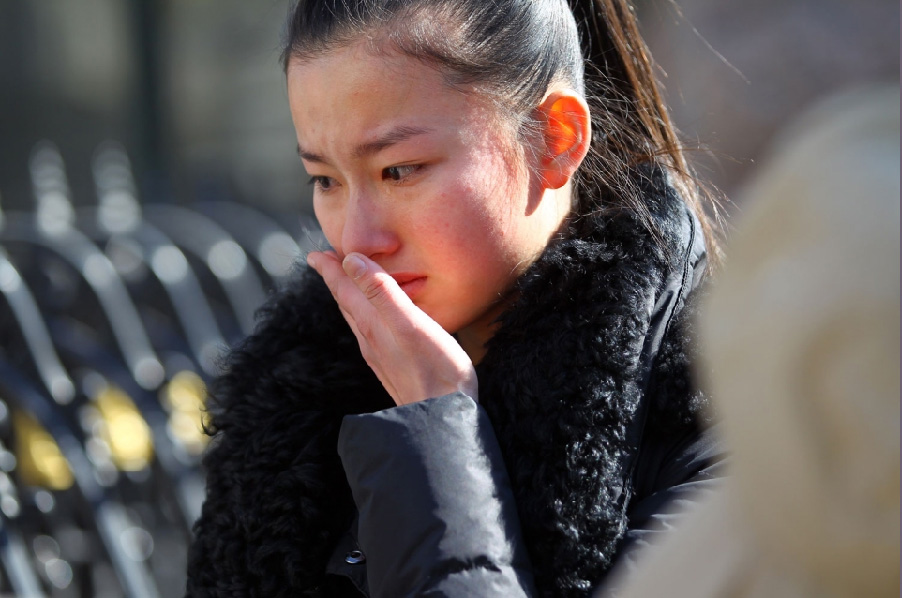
{"type": "Point", "coordinates": [413, 357]}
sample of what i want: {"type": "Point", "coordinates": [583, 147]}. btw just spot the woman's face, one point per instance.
{"type": "Point", "coordinates": [420, 178]}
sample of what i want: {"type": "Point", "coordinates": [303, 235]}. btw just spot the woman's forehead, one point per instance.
{"type": "Point", "coordinates": [369, 99]}
{"type": "Point", "coordinates": [357, 71]}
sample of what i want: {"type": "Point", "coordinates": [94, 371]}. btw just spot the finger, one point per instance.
{"type": "Point", "coordinates": [317, 259]}
{"type": "Point", "coordinates": [353, 324]}
{"type": "Point", "coordinates": [376, 329]}
{"type": "Point", "coordinates": [365, 351]}
{"type": "Point", "coordinates": [359, 285]}
{"type": "Point", "coordinates": [380, 289]}
{"type": "Point", "coordinates": [343, 289]}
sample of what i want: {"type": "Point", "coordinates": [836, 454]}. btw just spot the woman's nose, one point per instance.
{"type": "Point", "coordinates": [368, 228]}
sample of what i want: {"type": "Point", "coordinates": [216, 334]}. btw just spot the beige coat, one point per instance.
{"type": "Point", "coordinates": [802, 336]}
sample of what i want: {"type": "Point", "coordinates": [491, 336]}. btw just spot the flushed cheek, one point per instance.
{"type": "Point", "coordinates": [470, 261]}
{"type": "Point", "coordinates": [455, 235]}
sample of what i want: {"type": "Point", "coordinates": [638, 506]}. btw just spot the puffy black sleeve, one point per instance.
{"type": "Point", "coordinates": [674, 477]}
{"type": "Point", "coordinates": [436, 511]}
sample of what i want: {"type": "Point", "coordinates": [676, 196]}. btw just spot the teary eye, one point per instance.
{"type": "Point", "coordinates": [397, 173]}
{"type": "Point", "coordinates": [323, 183]}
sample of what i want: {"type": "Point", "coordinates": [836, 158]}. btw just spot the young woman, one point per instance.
{"type": "Point", "coordinates": [482, 388]}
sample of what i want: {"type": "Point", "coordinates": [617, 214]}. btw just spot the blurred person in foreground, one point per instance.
{"type": "Point", "coordinates": [800, 338]}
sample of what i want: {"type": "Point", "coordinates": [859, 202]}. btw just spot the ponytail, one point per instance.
{"type": "Point", "coordinates": [631, 123]}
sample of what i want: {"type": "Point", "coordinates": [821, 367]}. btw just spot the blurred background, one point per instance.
{"type": "Point", "coordinates": [194, 92]}
{"type": "Point", "coordinates": [151, 195]}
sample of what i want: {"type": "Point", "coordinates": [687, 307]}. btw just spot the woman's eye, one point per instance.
{"type": "Point", "coordinates": [398, 173]}
{"type": "Point", "coordinates": [322, 183]}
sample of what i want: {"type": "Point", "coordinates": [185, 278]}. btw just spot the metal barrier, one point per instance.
{"type": "Point", "coordinates": [112, 320]}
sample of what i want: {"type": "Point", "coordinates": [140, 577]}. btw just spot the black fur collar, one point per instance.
{"type": "Point", "coordinates": [561, 382]}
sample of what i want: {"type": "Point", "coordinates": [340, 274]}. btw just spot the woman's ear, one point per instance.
{"type": "Point", "coordinates": [567, 133]}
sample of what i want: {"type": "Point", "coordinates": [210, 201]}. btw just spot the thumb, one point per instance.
{"type": "Point", "coordinates": [378, 287]}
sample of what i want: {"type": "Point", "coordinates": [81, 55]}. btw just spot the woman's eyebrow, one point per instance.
{"type": "Point", "coordinates": [309, 156]}
{"type": "Point", "coordinates": [396, 135]}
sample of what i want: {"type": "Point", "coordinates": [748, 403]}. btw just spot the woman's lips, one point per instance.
{"type": "Point", "coordinates": [411, 284]}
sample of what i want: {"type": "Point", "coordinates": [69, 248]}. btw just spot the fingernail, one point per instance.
{"type": "Point", "coordinates": [311, 260]}
{"type": "Point", "coordinates": [354, 266]}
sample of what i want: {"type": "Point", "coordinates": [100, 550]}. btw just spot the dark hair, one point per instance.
{"type": "Point", "coordinates": [514, 50]}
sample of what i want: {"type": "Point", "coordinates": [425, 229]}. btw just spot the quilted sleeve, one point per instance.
{"type": "Point", "coordinates": [437, 514]}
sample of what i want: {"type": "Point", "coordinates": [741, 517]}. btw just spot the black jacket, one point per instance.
{"type": "Point", "coordinates": [588, 427]}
